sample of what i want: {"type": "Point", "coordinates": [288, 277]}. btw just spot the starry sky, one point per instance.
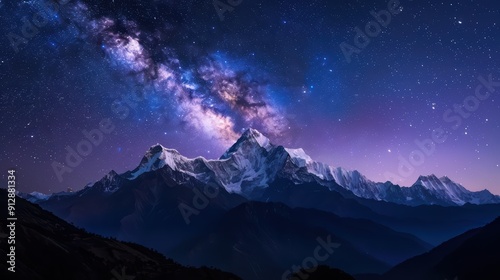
{"type": "Point", "coordinates": [192, 75]}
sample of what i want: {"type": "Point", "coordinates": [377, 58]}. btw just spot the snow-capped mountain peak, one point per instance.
{"type": "Point", "coordinates": [255, 135]}
{"type": "Point", "coordinates": [432, 182]}
{"type": "Point", "coordinates": [157, 157]}
{"type": "Point", "coordinates": [444, 188]}
{"type": "Point", "coordinates": [445, 179]}
{"type": "Point", "coordinates": [109, 182]}
{"type": "Point", "coordinates": [251, 139]}
{"type": "Point", "coordinates": [36, 196]}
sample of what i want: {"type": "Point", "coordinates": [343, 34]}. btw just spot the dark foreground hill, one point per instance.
{"type": "Point", "coordinates": [472, 255]}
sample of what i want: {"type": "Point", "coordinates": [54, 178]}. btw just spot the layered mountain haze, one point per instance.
{"type": "Point", "coordinates": [50, 248]}
{"type": "Point", "coordinates": [472, 255]}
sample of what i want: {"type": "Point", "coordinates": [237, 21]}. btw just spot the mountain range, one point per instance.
{"type": "Point", "coordinates": [253, 163]}
{"type": "Point", "coordinates": [260, 209]}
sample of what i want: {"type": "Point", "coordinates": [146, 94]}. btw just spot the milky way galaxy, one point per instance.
{"type": "Point", "coordinates": [226, 99]}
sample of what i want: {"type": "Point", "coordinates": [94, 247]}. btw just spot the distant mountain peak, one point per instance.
{"type": "Point", "coordinates": [157, 157]}
{"type": "Point", "coordinates": [424, 178]}
{"type": "Point", "coordinates": [445, 179]}
{"type": "Point", "coordinates": [250, 137]}
{"type": "Point", "coordinates": [111, 174]}
{"type": "Point", "coordinates": [158, 148]}
{"type": "Point", "coordinates": [448, 190]}
{"type": "Point", "coordinates": [432, 179]}
{"type": "Point", "coordinates": [251, 132]}
{"type": "Point", "coordinates": [254, 135]}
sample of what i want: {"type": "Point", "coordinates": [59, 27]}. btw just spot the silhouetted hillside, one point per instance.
{"type": "Point", "coordinates": [50, 248]}
{"type": "Point", "coordinates": [472, 255]}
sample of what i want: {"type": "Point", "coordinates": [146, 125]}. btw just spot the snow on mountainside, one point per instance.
{"type": "Point", "coordinates": [253, 163]}
{"type": "Point", "coordinates": [301, 159]}
{"type": "Point", "coordinates": [445, 189]}
{"type": "Point", "coordinates": [360, 185]}
{"type": "Point", "coordinates": [250, 141]}
{"type": "Point", "coordinates": [156, 158]}
{"type": "Point", "coordinates": [34, 196]}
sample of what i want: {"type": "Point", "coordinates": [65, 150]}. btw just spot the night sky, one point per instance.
{"type": "Point", "coordinates": [191, 77]}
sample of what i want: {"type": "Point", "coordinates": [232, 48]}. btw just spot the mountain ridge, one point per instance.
{"type": "Point", "coordinates": [253, 162]}
{"type": "Point", "coordinates": [471, 255]}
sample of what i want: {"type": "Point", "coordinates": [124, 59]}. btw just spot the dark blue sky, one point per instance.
{"type": "Point", "coordinates": [176, 74]}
